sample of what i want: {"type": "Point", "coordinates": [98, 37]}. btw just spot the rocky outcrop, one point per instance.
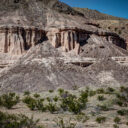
{"type": "Point", "coordinates": [17, 40]}
{"type": "Point", "coordinates": [67, 39]}
{"type": "Point", "coordinates": [74, 39]}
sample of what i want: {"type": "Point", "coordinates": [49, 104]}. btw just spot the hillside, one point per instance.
{"type": "Point", "coordinates": [96, 15]}
{"type": "Point", "coordinates": [115, 24]}
{"type": "Point", "coordinates": [61, 67]}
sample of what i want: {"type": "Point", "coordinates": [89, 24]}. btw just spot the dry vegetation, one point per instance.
{"type": "Point", "coordinates": [66, 109]}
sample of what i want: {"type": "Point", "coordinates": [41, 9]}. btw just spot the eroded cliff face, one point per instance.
{"type": "Point", "coordinates": [74, 39]}
{"type": "Point", "coordinates": [17, 40]}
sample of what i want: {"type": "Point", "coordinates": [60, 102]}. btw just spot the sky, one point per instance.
{"type": "Point", "coordinates": [113, 7]}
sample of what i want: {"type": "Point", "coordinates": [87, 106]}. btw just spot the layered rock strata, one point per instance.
{"type": "Point", "coordinates": [17, 40]}
{"type": "Point", "coordinates": [73, 39]}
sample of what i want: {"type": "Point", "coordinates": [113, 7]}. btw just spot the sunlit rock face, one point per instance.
{"type": "Point", "coordinates": [74, 39]}
{"type": "Point", "coordinates": [17, 40]}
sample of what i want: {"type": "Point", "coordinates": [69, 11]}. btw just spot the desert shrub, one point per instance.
{"type": "Point", "coordinates": [75, 87]}
{"type": "Point", "coordinates": [100, 91]}
{"type": "Point", "coordinates": [17, 121]}
{"type": "Point", "coordinates": [110, 90]}
{"type": "Point", "coordinates": [119, 32]}
{"type": "Point", "coordinates": [61, 91]}
{"type": "Point", "coordinates": [56, 98]}
{"type": "Point", "coordinates": [122, 112]}
{"type": "Point", "coordinates": [122, 89]}
{"type": "Point", "coordinates": [91, 93]}
{"type": "Point", "coordinates": [103, 107]}
{"type": "Point", "coordinates": [40, 105]}
{"type": "Point", "coordinates": [121, 97]}
{"type": "Point", "coordinates": [9, 100]}
{"type": "Point", "coordinates": [72, 103]}
{"type": "Point", "coordinates": [115, 126]}
{"type": "Point", "coordinates": [100, 119]}
{"type": "Point", "coordinates": [116, 29]}
{"type": "Point", "coordinates": [61, 123]}
{"type": "Point", "coordinates": [82, 117]}
{"type": "Point", "coordinates": [0, 101]}
{"type": "Point", "coordinates": [127, 123]}
{"type": "Point", "coordinates": [119, 102]}
{"type": "Point", "coordinates": [51, 107]}
{"type": "Point", "coordinates": [36, 95]}
{"type": "Point", "coordinates": [117, 120]}
{"type": "Point", "coordinates": [26, 93]}
{"type": "Point", "coordinates": [34, 103]}
{"type": "Point", "coordinates": [101, 98]}
{"type": "Point", "coordinates": [51, 91]}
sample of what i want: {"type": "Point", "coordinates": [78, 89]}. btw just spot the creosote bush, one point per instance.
{"type": "Point", "coordinates": [103, 107]}
{"type": "Point", "coordinates": [100, 91]}
{"type": "Point", "coordinates": [61, 123]}
{"type": "Point", "coordinates": [100, 119]}
{"type": "Point", "coordinates": [34, 103]}
{"type": "Point", "coordinates": [115, 126]}
{"type": "Point", "coordinates": [122, 112]}
{"type": "Point", "coordinates": [70, 102]}
{"type": "Point", "coordinates": [101, 98]}
{"type": "Point", "coordinates": [17, 121]}
{"type": "Point", "coordinates": [9, 100]}
{"type": "Point", "coordinates": [117, 120]}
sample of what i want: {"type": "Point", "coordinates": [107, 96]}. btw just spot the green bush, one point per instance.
{"type": "Point", "coordinates": [110, 90]}
{"type": "Point", "coordinates": [117, 120]}
{"type": "Point", "coordinates": [9, 100]}
{"type": "Point", "coordinates": [82, 117]}
{"type": "Point", "coordinates": [36, 95]}
{"type": "Point", "coordinates": [101, 98]}
{"type": "Point", "coordinates": [91, 93]}
{"type": "Point", "coordinates": [100, 119]}
{"type": "Point", "coordinates": [120, 103]}
{"type": "Point", "coordinates": [51, 107]}
{"type": "Point", "coordinates": [26, 93]}
{"type": "Point", "coordinates": [61, 123]}
{"type": "Point", "coordinates": [56, 99]}
{"type": "Point", "coordinates": [115, 126]}
{"type": "Point", "coordinates": [100, 91]}
{"type": "Point", "coordinates": [73, 104]}
{"type": "Point", "coordinates": [103, 107]}
{"type": "Point", "coordinates": [51, 91]}
{"type": "Point", "coordinates": [34, 103]}
{"type": "Point", "coordinates": [122, 112]}
{"type": "Point", "coordinates": [17, 121]}
{"type": "Point", "coordinates": [61, 91]}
